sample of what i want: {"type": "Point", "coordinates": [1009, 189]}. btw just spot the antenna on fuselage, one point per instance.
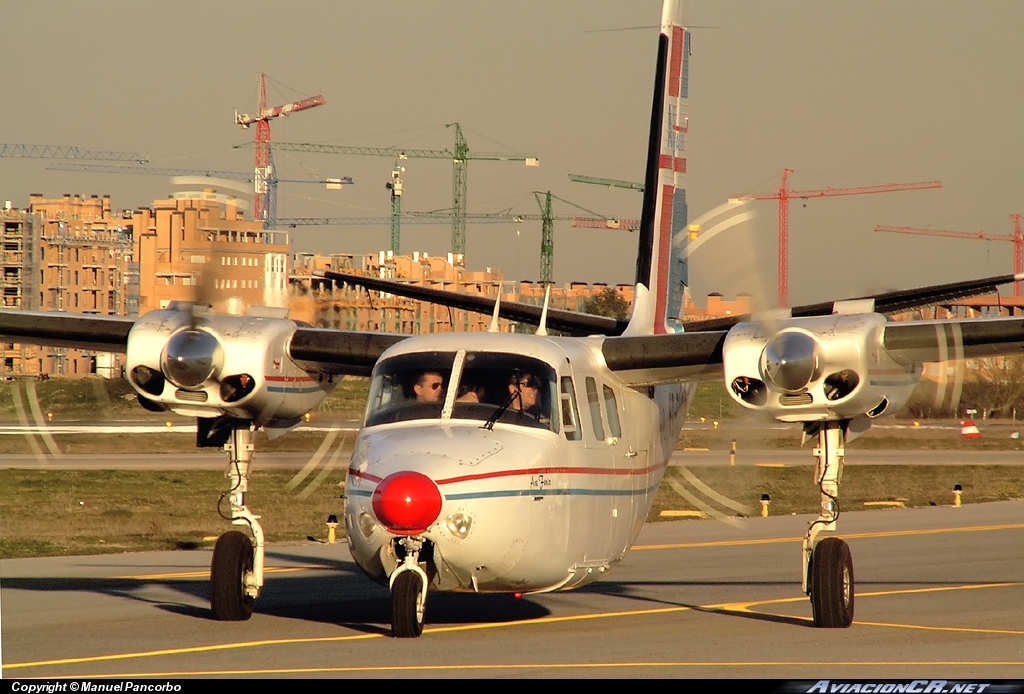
{"type": "Point", "coordinates": [542, 329]}
{"type": "Point", "coordinates": [493, 327]}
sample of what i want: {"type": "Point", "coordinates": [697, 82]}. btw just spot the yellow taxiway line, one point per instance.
{"type": "Point", "coordinates": [744, 607]}
{"type": "Point", "coordinates": [846, 536]}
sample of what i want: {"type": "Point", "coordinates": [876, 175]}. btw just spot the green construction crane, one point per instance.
{"type": "Point", "coordinates": [546, 217]}
{"type": "Point", "coordinates": [67, 152]}
{"type": "Point", "coordinates": [460, 157]}
{"type": "Point", "coordinates": [395, 186]}
{"type": "Point", "coordinates": [607, 182]}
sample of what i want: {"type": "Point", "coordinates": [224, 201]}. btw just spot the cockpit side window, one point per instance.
{"type": "Point", "coordinates": [409, 386]}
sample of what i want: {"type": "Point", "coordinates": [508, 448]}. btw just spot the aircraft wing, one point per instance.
{"type": "Point", "coordinates": [570, 322]}
{"type": "Point", "coordinates": [338, 351]}
{"type": "Point", "coordinates": [576, 323]}
{"type": "Point", "coordinates": [316, 350]}
{"type": "Point", "coordinates": [59, 329]}
{"type": "Point", "coordinates": [653, 359]}
{"type": "Point", "coordinates": [939, 340]}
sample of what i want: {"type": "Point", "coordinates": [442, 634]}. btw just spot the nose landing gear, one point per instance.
{"type": "Point", "coordinates": [236, 572]}
{"type": "Point", "coordinates": [828, 564]}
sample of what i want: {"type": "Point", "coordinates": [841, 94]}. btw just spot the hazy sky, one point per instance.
{"type": "Point", "coordinates": [847, 94]}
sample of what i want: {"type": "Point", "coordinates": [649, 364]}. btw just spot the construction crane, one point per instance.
{"type": "Point", "coordinates": [460, 156]}
{"type": "Point", "coordinates": [783, 194]}
{"type": "Point", "coordinates": [67, 152]}
{"type": "Point", "coordinates": [546, 217]}
{"type": "Point", "coordinates": [334, 183]}
{"type": "Point", "coordinates": [606, 182]}
{"type": "Point", "coordinates": [1016, 238]}
{"type": "Point", "coordinates": [264, 179]}
{"type": "Point", "coordinates": [396, 187]}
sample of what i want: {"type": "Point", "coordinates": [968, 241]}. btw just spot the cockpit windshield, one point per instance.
{"type": "Point", "coordinates": [489, 387]}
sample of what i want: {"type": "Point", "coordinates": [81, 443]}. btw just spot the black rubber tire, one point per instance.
{"type": "Point", "coordinates": [406, 606]}
{"type": "Point", "coordinates": [232, 561]}
{"type": "Point", "coordinates": [832, 584]}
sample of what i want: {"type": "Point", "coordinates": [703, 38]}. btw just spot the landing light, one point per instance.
{"type": "Point", "coordinates": [366, 524]}
{"type": "Point", "coordinates": [458, 524]}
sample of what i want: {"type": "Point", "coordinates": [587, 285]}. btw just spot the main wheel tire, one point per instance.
{"type": "Point", "coordinates": [832, 584]}
{"type": "Point", "coordinates": [407, 605]}
{"type": "Point", "coordinates": [232, 562]}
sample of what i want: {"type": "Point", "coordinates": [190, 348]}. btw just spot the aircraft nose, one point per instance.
{"type": "Point", "coordinates": [406, 502]}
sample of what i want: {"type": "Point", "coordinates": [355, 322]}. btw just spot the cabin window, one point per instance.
{"type": "Point", "coordinates": [594, 403]}
{"type": "Point", "coordinates": [612, 409]}
{"type": "Point", "coordinates": [507, 388]}
{"type": "Point", "coordinates": [570, 415]}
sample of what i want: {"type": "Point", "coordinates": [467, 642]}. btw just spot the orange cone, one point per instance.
{"type": "Point", "coordinates": [969, 430]}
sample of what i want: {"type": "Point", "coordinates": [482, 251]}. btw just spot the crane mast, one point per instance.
{"type": "Point", "coordinates": [265, 181]}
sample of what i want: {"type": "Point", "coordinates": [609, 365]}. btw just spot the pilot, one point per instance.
{"type": "Point", "coordinates": [524, 392]}
{"type": "Point", "coordinates": [429, 387]}
{"type": "Point", "coordinates": [470, 391]}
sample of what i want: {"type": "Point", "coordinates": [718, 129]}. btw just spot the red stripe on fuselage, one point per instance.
{"type": "Point", "coordinates": [364, 475]}
{"type": "Point", "coordinates": [551, 471]}
{"type": "Point", "coordinates": [290, 379]}
{"type": "Point", "coordinates": [527, 471]}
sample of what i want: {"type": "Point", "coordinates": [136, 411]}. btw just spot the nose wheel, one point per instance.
{"type": "Point", "coordinates": [407, 603]}
{"type": "Point", "coordinates": [832, 584]}
{"type": "Point", "coordinates": [230, 574]}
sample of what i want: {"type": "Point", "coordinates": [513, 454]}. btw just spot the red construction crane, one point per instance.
{"type": "Point", "coordinates": [783, 195]}
{"type": "Point", "coordinates": [265, 177]}
{"type": "Point", "coordinates": [1017, 238]}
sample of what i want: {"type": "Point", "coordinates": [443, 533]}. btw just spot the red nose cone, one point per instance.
{"type": "Point", "coordinates": [406, 502]}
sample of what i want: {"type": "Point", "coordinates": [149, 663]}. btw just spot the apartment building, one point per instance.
{"type": "Point", "coordinates": [196, 246]}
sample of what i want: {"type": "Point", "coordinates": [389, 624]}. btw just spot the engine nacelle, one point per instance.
{"type": "Point", "coordinates": [209, 365]}
{"type": "Point", "coordinates": [816, 369]}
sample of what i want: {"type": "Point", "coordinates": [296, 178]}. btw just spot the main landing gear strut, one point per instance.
{"type": "Point", "coordinates": [408, 591]}
{"type": "Point", "coordinates": [827, 563]}
{"type": "Point", "coordinates": [236, 574]}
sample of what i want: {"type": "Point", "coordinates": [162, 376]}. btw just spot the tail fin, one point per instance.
{"type": "Point", "coordinates": [664, 207]}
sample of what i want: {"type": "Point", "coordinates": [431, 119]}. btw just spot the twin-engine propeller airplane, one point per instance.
{"type": "Point", "coordinates": [510, 463]}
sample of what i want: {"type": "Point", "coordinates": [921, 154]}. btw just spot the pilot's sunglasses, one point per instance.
{"type": "Point", "coordinates": [435, 385]}
{"type": "Point", "coordinates": [529, 383]}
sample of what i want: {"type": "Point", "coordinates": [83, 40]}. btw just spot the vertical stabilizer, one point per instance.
{"type": "Point", "coordinates": [664, 206]}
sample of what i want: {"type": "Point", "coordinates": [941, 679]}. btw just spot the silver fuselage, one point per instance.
{"type": "Point", "coordinates": [545, 509]}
